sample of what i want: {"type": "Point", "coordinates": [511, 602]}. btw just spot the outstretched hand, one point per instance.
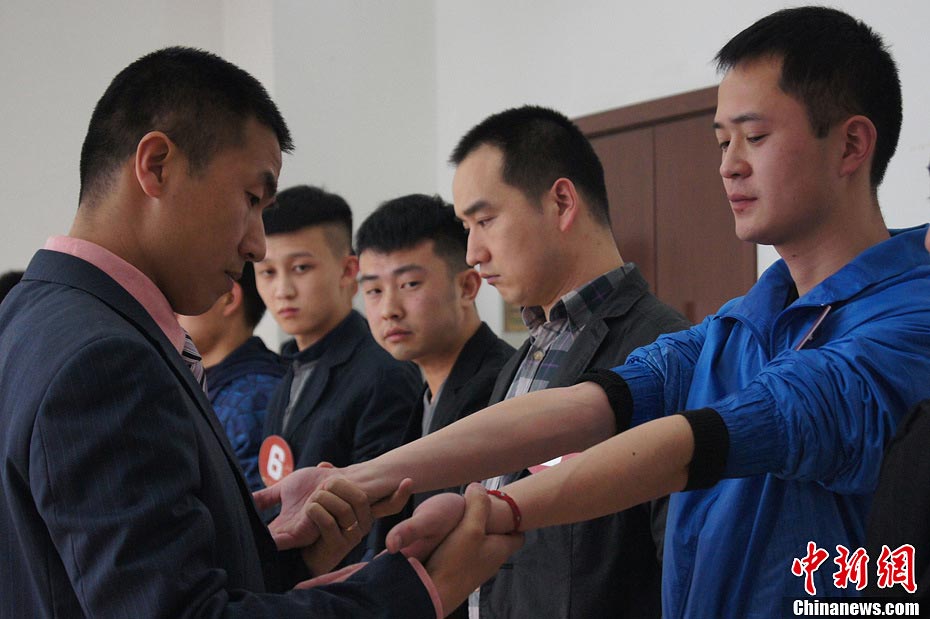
{"type": "Point", "coordinates": [293, 527]}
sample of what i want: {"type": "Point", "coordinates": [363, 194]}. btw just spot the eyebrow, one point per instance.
{"type": "Point", "coordinates": [742, 118]}
{"type": "Point", "coordinates": [271, 183]}
{"type": "Point", "coordinates": [407, 268]}
{"type": "Point", "coordinates": [297, 254]}
{"type": "Point", "coordinates": [474, 208]}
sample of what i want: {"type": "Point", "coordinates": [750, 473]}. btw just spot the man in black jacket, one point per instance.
{"type": "Point", "coordinates": [420, 302]}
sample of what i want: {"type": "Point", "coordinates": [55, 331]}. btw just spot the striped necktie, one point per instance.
{"type": "Point", "coordinates": [194, 361]}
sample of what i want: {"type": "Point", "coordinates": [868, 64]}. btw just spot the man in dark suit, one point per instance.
{"type": "Point", "coordinates": [120, 493]}
{"type": "Point", "coordinates": [420, 302]}
{"type": "Point", "coordinates": [419, 298]}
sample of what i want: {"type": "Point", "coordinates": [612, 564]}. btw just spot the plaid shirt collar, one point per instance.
{"type": "Point", "coordinates": [576, 306]}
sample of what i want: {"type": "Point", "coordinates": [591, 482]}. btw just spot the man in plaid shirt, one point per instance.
{"type": "Point", "coordinates": [530, 189]}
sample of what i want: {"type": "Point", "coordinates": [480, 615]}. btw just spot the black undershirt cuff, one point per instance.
{"type": "Point", "coordinates": [711, 446]}
{"type": "Point", "coordinates": [618, 394]}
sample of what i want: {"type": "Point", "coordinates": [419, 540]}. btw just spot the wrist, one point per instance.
{"type": "Point", "coordinates": [505, 516]}
{"type": "Point", "coordinates": [365, 475]}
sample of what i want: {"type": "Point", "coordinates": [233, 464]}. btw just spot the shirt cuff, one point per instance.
{"type": "Point", "coordinates": [617, 392]}
{"type": "Point", "coordinates": [428, 583]}
{"type": "Point", "coordinates": [748, 415]}
{"type": "Point", "coordinates": [711, 446]}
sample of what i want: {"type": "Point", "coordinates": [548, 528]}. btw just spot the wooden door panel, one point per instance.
{"type": "Point", "coordinates": [700, 263]}
{"type": "Point", "coordinates": [627, 158]}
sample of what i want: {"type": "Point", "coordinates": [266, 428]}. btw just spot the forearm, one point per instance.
{"type": "Point", "coordinates": [648, 461]}
{"type": "Point", "coordinates": [506, 437]}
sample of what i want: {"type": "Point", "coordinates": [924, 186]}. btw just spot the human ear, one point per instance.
{"type": "Point", "coordinates": [350, 268]}
{"type": "Point", "coordinates": [860, 136]}
{"type": "Point", "coordinates": [232, 300]}
{"type": "Point", "coordinates": [564, 195]}
{"type": "Point", "coordinates": [469, 282]}
{"type": "Point", "coordinates": [153, 152]}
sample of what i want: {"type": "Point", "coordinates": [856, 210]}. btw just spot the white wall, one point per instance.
{"type": "Point", "coordinates": [377, 93]}
{"type": "Point", "coordinates": [56, 59]}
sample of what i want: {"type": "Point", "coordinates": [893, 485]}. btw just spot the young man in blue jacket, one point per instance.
{"type": "Point", "coordinates": [769, 419]}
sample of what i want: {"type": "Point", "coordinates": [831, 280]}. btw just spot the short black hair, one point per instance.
{"type": "Point", "coordinates": [832, 63]}
{"type": "Point", "coordinates": [196, 98]}
{"type": "Point", "coordinates": [303, 206]}
{"type": "Point", "coordinates": [7, 281]}
{"type": "Point", "coordinates": [540, 146]}
{"type": "Point", "coordinates": [251, 301]}
{"type": "Point", "coordinates": [403, 223]}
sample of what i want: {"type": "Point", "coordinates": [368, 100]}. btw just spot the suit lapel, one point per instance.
{"type": "Point", "coordinates": [502, 385]}
{"type": "Point", "coordinates": [343, 341]}
{"type": "Point", "coordinates": [307, 399]}
{"type": "Point", "coordinates": [71, 271]}
{"type": "Point", "coordinates": [467, 365]}
{"type": "Point", "coordinates": [581, 353]}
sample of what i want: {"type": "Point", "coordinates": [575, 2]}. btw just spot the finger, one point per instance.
{"type": "Point", "coordinates": [292, 531]}
{"type": "Point", "coordinates": [342, 511]}
{"type": "Point", "coordinates": [395, 502]}
{"type": "Point", "coordinates": [267, 498]}
{"type": "Point", "coordinates": [355, 497]}
{"type": "Point", "coordinates": [330, 528]}
{"type": "Point", "coordinates": [325, 465]}
{"type": "Point", "coordinates": [430, 524]}
{"type": "Point", "coordinates": [477, 506]}
{"type": "Point", "coordinates": [283, 538]}
{"type": "Point", "coordinates": [397, 537]}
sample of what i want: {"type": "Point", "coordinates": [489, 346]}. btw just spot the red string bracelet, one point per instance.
{"type": "Point", "coordinates": [514, 509]}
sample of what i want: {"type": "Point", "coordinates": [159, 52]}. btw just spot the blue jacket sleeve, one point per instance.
{"type": "Point", "coordinates": [827, 413]}
{"type": "Point", "coordinates": [659, 375]}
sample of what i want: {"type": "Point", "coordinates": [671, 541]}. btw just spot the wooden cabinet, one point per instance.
{"type": "Point", "coordinates": [668, 208]}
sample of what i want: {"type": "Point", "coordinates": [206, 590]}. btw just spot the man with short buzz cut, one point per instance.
{"type": "Point", "coordinates": [344, 399]}
{"type": "Point", "coordinates": [420, 302]}
{"type": "Point", "coordinates": [530, 190]}
{"type": "Point", "coordinates": [241, 373]}
{"type": "Point", "coordinates": [119, 493]}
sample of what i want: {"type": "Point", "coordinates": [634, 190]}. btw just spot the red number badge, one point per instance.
{"type": "Point", "coordinates": [275, 460]}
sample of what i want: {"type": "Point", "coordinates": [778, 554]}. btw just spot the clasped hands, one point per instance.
{"type": "Point", "coordinates": [326, 515]}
